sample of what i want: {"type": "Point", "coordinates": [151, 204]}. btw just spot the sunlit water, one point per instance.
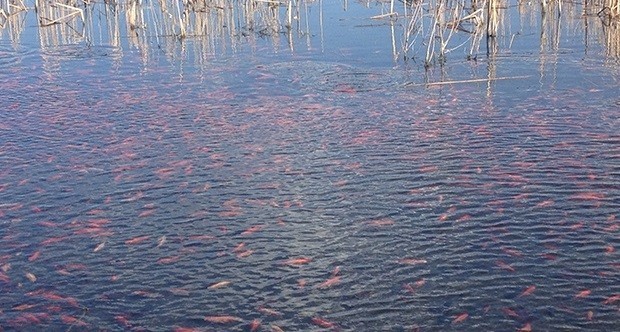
{"type": "Point", "coordinates": [308, 190]}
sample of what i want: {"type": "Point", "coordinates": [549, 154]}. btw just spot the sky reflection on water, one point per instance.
{"type": "Point", "coordinates": [315, 188]}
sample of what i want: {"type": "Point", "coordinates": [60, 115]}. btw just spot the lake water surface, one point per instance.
{"type": "Point", "coordinates": [311, 181]}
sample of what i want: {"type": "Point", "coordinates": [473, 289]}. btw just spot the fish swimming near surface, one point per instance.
{"type": "Point", "coordinates": [584, 293]}
{"type": "Point", "coordinates": [318, 321]}
{"type": "Point", "coordinates": [460, 318]}
{"type": "Point", "coordinates": [297, 261]}
{"type": "Point", "coordinates": [528, 291]}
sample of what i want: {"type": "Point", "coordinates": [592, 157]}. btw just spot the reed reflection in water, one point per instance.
{"type": "Point", "coordinates": [430, 30]}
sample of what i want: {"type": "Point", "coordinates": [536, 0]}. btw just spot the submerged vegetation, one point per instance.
{"type": "Point", "coordinates": [420, 30]}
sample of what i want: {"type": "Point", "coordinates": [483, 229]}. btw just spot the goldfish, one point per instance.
{"type": "Point", "coordinates": [34, 256]}
{"type": "Point", "coordinates": [412, 287]}
{"type": "Point", "coordinates": [168, 260]}
{"type": "Point", "coordinates": [255, 325]}
{"type": "Point", "coordinates": [297, 261]}
{"type": "Point", "coordinates": [528, 291]}
{"type": "Point", "coordinates": [252, 229]}
{"type": "Point", "coordinates": [525, 328]}
{"type": "Point", "coordinates": [137, 240]}
{"type": "Point", "coordinates": [510, 312]}
{"type": "Point", "coordinates": [504, 266]}
{"type": "Point", "coordinates": [146, 213]}
{"type": "Point", "coordinates": [612, 299]}
{"type": "Point", "coordinates": [512, 252]}
{"type": "Point", "coordinates": [587, 196]}
{"type": "Point", "coordinates": [583, 293]}
{"type": "Point", "coordinates": [460, 318]}
{"type": "Point", "coordinates": [72, 320]}
{"type": "Point", "coordinates": [268, 311]}
{"type": "Point", "coordinates": [545, 203]}
{"type": "Point", "coordinates": [316, 320]}
{"type": "Point", "coordinates": [239, 248]}
{"type": "Point", "coordinates": [381, 222]}
{"type": "Point", "coordinates": [330, 282]}
{"type": "Point", "coordinates": [121, 319]}
{"type": "Point", "coordinates": [245, 253]}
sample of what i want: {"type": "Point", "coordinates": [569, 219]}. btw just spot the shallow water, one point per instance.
{"type": "Point", "coordinates": [308, 189]}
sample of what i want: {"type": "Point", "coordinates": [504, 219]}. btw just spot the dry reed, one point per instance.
{"type": "Point", "coordinates": [432, 29]}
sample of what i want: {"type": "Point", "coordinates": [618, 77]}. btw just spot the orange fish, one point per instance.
{"type": "Point", "coordinates": [330, 282]}
{"type": "Point", "coordinates": [252, 229]}
{"type": "Point", "coordinates": [255, 325]}
{"type": "Point", "coordinates": [316, 320]}
{"type": "Point", "coordinates": [168, 260]}
{"type": "Point", "coordinates": [504, 266]}
{"type": "Point", "coordinates": [223, 319]}
{"type": "Point", "coordinates": [297, 261]}
{"type": "Point", "coordinates": [528, 291]}
{"type": "Point", "coordinates": [526, 328]}
{"type": "Point", "coordinates": [583, 293]}
{"type": "Point", "coordinates": [419, 283]}
{"type": "Point", "coordinates": [137, 240]}
{"type": "Point", "coordinates": [146, 213]}
{"type": "Point", "coordinates": [545, 203]}
{"type": "Point", "coordinates": [510, 312]}
{"type": "Point", "coordinates": [4, 277]}
{"type": "Point", "coordinates": [268, 311]}
{"type": "Point", "coordinates": [34, 256]}
{"type": "Point", "coordinates": [381, 222]}
{"type": "Point", "coordinates": [460, 318]}
{"type": "Point", "coordinates": [72, 320]}
{"type": "Point", "coordinates": [588, 196]}
{"type": "Point", "coordinates": [122, 320]}
{"type": "Point", "coordinates": [612, 299]}
{"type": "Point", "coordinates": [512, 252]}
{"type": "Point", "coordinates": [464, 217]}
{"type": "Point", "coordinates": [239, 248]}
{"type": "Point", "coordinates": [244, 254]}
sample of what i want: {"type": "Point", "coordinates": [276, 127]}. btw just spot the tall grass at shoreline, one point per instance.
{"type": "Point", "coordinates": [428, 30]}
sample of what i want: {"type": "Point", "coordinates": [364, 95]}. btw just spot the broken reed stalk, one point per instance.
{"type": "Point", "coordinates": [477, 80]}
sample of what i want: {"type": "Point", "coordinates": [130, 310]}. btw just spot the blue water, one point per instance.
{"type": "Point", "coordinates": [327, 187]}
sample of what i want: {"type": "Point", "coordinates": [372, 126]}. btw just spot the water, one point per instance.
{"type": "Point", "coordinates": [321, 188]}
